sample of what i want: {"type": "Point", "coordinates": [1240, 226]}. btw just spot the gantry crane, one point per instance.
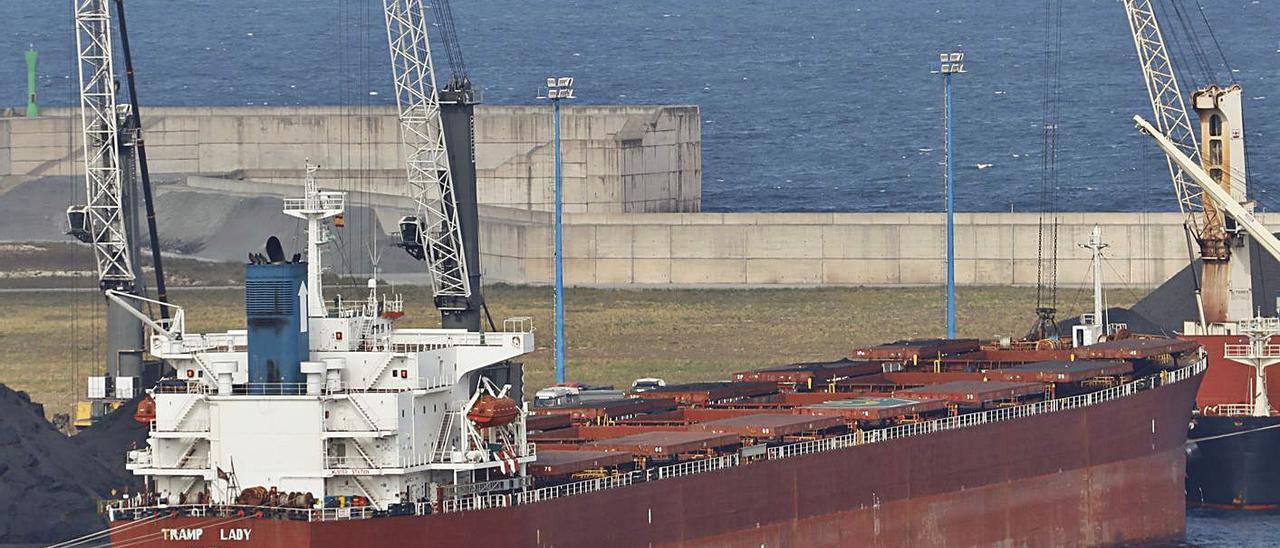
{"type": "Point", "coordinates": [1216, 143]}
{"type": "Point", "coordinates": [114, 155]}
{"type": "Point", "coordinates": [437, 128]}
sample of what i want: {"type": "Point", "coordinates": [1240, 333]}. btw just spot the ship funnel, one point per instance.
{"type": "Point", "coordinates": [275, 299]}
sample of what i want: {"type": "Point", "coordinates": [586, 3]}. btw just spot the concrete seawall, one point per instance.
{"type": "Point", "coordinates": [222, 219]}
{"type": "Point", "coordinates": [632, 176]}
{"type": "Point", "coordinates": [799, 249]}
{"type": "Point", "coordinates": [616, 158]}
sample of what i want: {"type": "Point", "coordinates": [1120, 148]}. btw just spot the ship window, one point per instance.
{"type": "Point", "coordinates": [402, 413]}
{"type": "Point", "coordinates": [1216, 173]}
{"type": "Point", "coordinates": [1215, 126]}
{"type": "Point", "coordinates": [1215, 152]}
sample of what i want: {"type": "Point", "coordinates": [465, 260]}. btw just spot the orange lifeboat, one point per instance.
{"type": "Point", "coordinates": [490, 411]}
{"type": "Point", "coordinates": [146, 411]}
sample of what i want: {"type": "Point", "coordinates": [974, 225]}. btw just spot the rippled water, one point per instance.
{"type": "Point", "coordinates": [1226, 528]}
{"type": "Point", "coordinates": [807, 105]}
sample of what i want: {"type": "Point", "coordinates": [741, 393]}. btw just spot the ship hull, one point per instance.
{"type": "Point", "coordinates": [1231, 469]}
{"type": "Point", "coordinates": [1105, 474]}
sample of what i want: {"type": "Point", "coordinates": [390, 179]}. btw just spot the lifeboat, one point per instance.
{"type": "Point", "coordinates": [490, 411]}
{"type": "Point", "coordinates": [146, 411]}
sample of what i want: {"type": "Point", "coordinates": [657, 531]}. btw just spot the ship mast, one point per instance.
{"type": "Point", "coordinates": [1092, 328]}
{"type": "Point", "coordinates": [314, 207]}
{"type": "Point", "coordinates": [1096, 245]}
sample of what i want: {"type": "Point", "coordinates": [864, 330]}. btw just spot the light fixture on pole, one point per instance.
{"type": "Point", "coordinates": [950, 63]}
{"type": "Point", "coordinates": [559, 88]}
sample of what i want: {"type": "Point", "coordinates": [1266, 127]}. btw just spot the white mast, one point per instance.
{"type": "Point", "coordinates": [1096, 245]}
{"type": "Point", "coordinates": [1093, 327]}
{"type": "Point", "coordinates": [314, 207]}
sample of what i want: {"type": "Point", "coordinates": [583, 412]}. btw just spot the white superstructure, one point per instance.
{"type": "Point", "coordinates": [383, 412]}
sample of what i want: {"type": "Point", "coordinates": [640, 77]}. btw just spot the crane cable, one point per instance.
{"type": "Point", "coordinates": [449, 37]}
{"type": "Point", "coordinates": [1047, 230]}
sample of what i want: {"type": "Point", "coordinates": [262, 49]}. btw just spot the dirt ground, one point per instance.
{"type": "Point", "coordinates": [52, 340]}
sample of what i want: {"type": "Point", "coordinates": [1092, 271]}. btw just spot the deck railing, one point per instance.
{"type": "Point", "coordinates": [575, 488]}
{"type": "Point", "coordinates": [1229, 410]}
{"type": "Point", "coordinates": [1247, 351]}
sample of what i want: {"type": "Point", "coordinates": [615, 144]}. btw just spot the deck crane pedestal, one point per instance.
{"type": "Point", "coordinates": [114, 157]}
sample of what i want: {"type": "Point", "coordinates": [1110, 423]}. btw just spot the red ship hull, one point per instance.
{"type": "Point", "coordinates": [1104, 474]}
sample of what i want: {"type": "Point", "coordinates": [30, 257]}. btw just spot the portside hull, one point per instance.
{"type": "Point", "coordinates": [1231, 469]}
{"type": "Point", "coordinates": [1106, 474]}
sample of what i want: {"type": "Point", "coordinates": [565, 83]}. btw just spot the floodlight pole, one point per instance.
{"type": "Point", "coordinates": [557, 89]}
{"type": "Point", "coordinates": [951, 63]}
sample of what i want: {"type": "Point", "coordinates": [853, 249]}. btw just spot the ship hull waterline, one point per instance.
{"type": "Point", "coordinates": [1105, 474]}
{"type": "Point", "coordinates": [1232, 466]}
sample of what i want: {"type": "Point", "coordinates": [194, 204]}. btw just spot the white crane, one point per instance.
{"type": "Point", "coordinates": [101, 222]}
{"type": "Point", "coordinates": [433, 233]}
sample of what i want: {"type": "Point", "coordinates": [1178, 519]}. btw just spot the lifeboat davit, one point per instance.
{"type": "Point", "coordinates": [490, 411]}
{"type": "Point", "coordinates": [146, 411]}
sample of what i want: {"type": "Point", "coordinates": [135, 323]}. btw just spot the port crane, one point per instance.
{"type": "Point", "coordinates": [1210, 180]}
{"type": "Point", "coordinates": [115, 169]}
{"type": "Point", "coordinates": [1215, 141]}
{"type": "Point", "coordinates": [437, 129]}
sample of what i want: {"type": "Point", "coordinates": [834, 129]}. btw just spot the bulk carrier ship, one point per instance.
{"type": "Point", "coordinates": [323, 424]}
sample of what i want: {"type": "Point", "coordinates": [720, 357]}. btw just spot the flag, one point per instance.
{"type": "Point", "coordinates": [223, 475]}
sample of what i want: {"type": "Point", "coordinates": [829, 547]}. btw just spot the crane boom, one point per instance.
{"type": "Point", "coordinates": [1219, 196]}
{"type": "Point", "coordinates": [101, 222]}
{"type": "Point", "coordinates": [434, 233]}
{"type": "Point", "coordinates": [1168, 106]}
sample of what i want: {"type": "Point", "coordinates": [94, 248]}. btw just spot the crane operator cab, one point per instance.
{"type": "Point", "coordinates": [78, 223]}
{"type": "Point", "coordinates": [411, 237]}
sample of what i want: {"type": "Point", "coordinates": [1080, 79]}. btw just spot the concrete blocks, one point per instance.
{"type": "Point", "coordinates": [513, 149]}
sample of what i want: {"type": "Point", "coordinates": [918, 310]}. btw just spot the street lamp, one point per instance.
{"type": "Point", "coordinates": [559, 88]}
{"type": "Point", "coordinates": [950, 63]}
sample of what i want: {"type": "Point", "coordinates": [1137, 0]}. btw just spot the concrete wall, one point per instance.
{"type": "Point", "coordinates": [616, 158]}
{"type": "Point", "coordinates": [729, 249]}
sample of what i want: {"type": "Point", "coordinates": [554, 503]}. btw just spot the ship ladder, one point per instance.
{"type": "Point", "coordinates": [364, 455]}
{"type": "Point", "coordinates": [442, 440]}
{"type": "Point", "coordinates": [367, 493]}
{"type": "Point", "coordinates": [355, 402]}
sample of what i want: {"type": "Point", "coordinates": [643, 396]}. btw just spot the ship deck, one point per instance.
{"type": "Point", "coordinates": [692, 429]}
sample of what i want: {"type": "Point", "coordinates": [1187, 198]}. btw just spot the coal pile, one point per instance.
{"type": "Point", "coordinates": [49, 483]}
